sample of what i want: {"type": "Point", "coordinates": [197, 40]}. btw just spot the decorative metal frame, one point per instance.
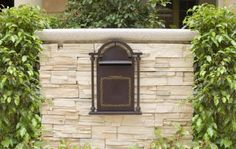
{"type": "Point", "coordinates": [136, 57]}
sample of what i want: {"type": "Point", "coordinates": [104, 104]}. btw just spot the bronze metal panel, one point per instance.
{"type": "Point", "coordinates": [115, 79]}
{"type": "Point", "coordinates": [115, 65]}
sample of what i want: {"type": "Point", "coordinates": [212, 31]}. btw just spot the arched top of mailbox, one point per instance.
{"type": "Point", "coordinates": [115, 50]}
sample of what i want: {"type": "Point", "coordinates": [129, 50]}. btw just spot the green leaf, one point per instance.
{"type": "Point", "coordinates": [210, 131]}
{"type": "Point", "coordinates": [6, 143]}
{"type": "Point", "coordinates": [225, 143]}
{"type": "Point", "coordinates": [22, 131]}
{"type": "Point", "coordinates": [24, 58]}
{"type": "Point", "coordinates": [208, 58]}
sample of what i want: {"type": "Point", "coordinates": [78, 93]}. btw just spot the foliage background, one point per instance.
{"type": "Point", "coordinates": [214, 101]}
{"type": "Point", "coordinates": [112, 14]}
{"type": "Point", "coordinates": [20, 97]}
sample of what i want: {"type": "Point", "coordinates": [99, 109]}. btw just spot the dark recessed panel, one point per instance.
{"type": "Point", "coordinates": [115, 63]}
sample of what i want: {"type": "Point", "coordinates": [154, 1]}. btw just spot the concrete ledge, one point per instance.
{"type": "Point", "coordinates": [127, 35]}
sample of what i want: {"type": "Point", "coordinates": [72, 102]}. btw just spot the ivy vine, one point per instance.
{"type": "Point", "coordinates": [20, 98]}
{"type": "Point", "coordinates": [214, 101]}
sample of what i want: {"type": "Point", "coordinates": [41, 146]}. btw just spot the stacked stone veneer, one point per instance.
{"type": "Point", "coordinates": [166, 80]}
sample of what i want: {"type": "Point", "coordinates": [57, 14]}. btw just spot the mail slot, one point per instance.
{"type": "Point", "coordinates": [115, 72]}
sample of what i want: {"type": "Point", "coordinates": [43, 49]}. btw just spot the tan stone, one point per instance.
{"type": "Point", "coordinates": [63, 77]}
{"type": "Point", "coordinates": [82, 49]}
{"type": "Point", "coordinates": [104, 132]}
{"type": "Point", "coordinates": [45, 77]}
{"type": "Point", "coordinates": [53, 119]}
{"type": "Point", "coordinates": [177, 90]}
{"type": "Point", "coordinates": [60, 103]}
{"type": "Point", "coordinates": [147, 74]}
{"type": "Point", "coordinates": [83, 77]}
{"type": "Point", "coordinates": [84, 64]}
{"type": "Point", "coordinates": [62, 91]}
{"type": "Point", "coordinates": [153, 81]}
{"type": "Point", "coordinates": [166, 80]}
{"type": "Point", "coordinates": [160, 50]}
{"type": "Point", "coordinates": [147, 65]}
{"type": "Point", "coordinates": [188, 77]}
{"type": "Point", "coordinates": [139, 120]}
{"type": "Point", "coordinates": [173, 108]}
{"type": "Point", "coordinates": [72, 131]}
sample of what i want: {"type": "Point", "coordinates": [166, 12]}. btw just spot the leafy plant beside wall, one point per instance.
{"type": "Point", "coordinates": [20, 97]}
{"type": "Point", "coordinates": [112, 14]}
{"type": "Point", "coordinates": [214, 100]}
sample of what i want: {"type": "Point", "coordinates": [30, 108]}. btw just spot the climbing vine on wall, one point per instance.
{"type": "Point", "coordinates": [20, 99]}
{"type": "Point", "coordinates": [215, 75]}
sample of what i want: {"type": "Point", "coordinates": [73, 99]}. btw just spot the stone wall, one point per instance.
{"type": "Point", "coordinates": [166, 81]}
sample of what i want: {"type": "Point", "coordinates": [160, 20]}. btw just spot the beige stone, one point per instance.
{"type": "Point", "coordinates": [160, 50]}
{"type": "Point", "coordinates": [166, 80]}
{"type": "Point", "coordinates": [62, 91]}
{"type": "Point", "coordinates": [53, 119]}
{"type": "Point", "coordinates": [60, 103]}
{"type": "Point", "coordinates": [63, 77]}
{"type": "Point", "coordinates": [104, 132]}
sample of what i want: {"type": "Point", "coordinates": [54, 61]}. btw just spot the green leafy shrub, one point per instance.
{"type": "Point", "coordinates": [20, 98]}
{"type": "Point", "coordinates": [214, 101]}
{"type": "Point", "coordinates": [64, 144]}
{"type": "Point", "coordinates": [171, 142]}
{"type": "Point", "coordinates": [112, 14]}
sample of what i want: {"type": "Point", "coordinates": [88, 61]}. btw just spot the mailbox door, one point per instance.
{"type": "Point", "coordinates": [115, 82]}
{"type": "Point", "coordinates": [115, 88]}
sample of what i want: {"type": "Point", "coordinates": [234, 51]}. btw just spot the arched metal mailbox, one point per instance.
{"type": "Point", "coordinates": [115, 74]}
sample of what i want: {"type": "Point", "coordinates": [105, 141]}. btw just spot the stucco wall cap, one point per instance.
{"type": "Point", "coordinates": [128, 35]}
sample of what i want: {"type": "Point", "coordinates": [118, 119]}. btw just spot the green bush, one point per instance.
{"type": "Point", "coordinates": [214, 100]}
{"type": "Point", "coordinates": [66, 145]}
{"type": "Point", "coordinates": [112, 14]}
{"type": "Point", "coordinates": [20, 98]}
{"type": "Point", "coordinates": [171, 142]}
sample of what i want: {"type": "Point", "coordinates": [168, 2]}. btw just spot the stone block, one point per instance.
{"type": "Point", "coordinates": [85, 91]}
{"type": "Point", "coordinates": [160, 50]}
{"type": "Point", "coordinates": [84, 64]}
{"type": "Point", "coordinates": [53, 119]}
{"type": "Point", "coordinates": [92, 120]}
{"type": "Point", "coordinates": [104, 132]}
{"type": "Point", "coordinates": [66, 91]}
{"type": "Point", "coordinates": [153, 81]}
{"type": "Point", "coordinates": [64, 103]}
{"type": "Point", "coordinates": [154, 74]}
{"type": "Point", "coordinates": [147, 65]}
{"type": "Point", "coordinates": [175, 81]}
{"type": "Point", "coordinates": [138, 120]}
{"type": "Point", "coordinates": [119, 143]}
{"type": "Point", "coordinates": [181, 62]}
{"type": "Point", "coordinates": [73, 50]}
{"type": "Point", "coordinates": [83, 49]}
{"type": "Point", "coordinates": [72, 131]}
{"type": "Point", "coordinates": [148, 107]}
{"type": "Point", "coordinates": [188, 77]}
{"type": "Point", "coordinates": [176, 90]}
{"type": "Point", "coordinates": [44, 77]}
{"type": "Point", "coordinates": [173, 108]}
{"type": "Point", "coordinates": [83, 107]}
{"type": "Point", "coordinates": [83, 77]}
{"type": "Point", "coordinates": [139, 132]}
{"type": "Point", "coordinates": [63, 77]}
